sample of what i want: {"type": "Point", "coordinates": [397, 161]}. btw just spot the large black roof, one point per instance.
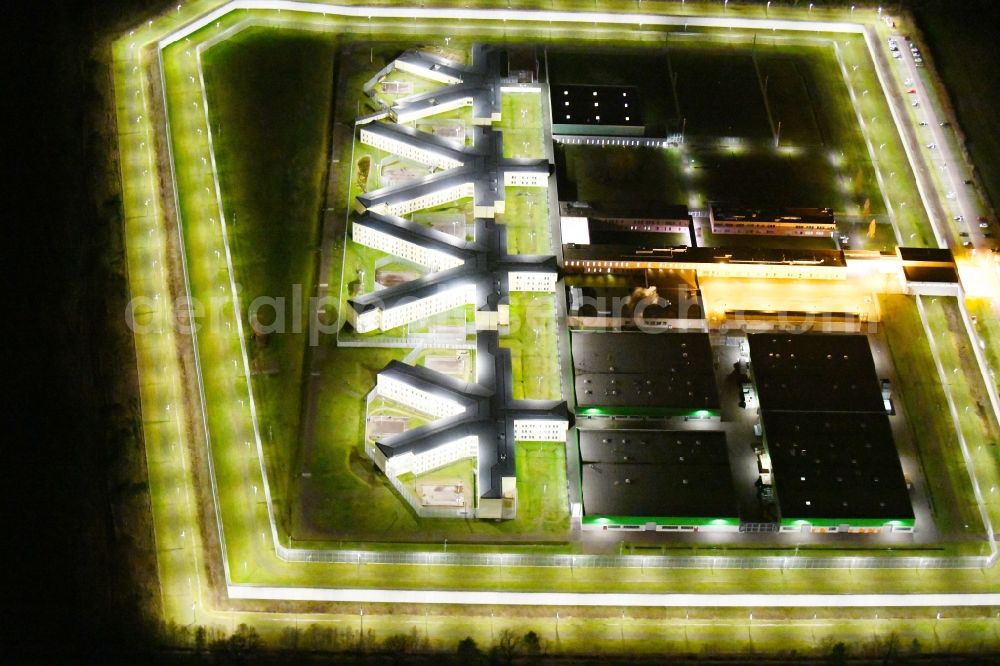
{"type": "Point", "coordinates": [826, 428]}
{"type": "Point", "coordinates": [829, 373]}
{"type": "Point", "coordinates": [656, 474]}
{"type": "Point", "coordinates": [596, 105]}
{"type": "Point", "coordinates": [926, 255]}
{"type": "Point", "coordinates": [624, 369]}
{"type": "Point", "coordinates": [836, 466]}
{"type": "Point", "coordinates": [691, 447]}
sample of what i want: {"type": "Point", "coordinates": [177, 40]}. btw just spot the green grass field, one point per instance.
{"type": "Point", "coordinates": [526, 218]}
{"type": "Point", "coordinates": [978, 423]}
{"type": "Point", "coordinates": [652, 633]}
{"type": "Point", "coordinates": [952, 498]}
{"type": "Point", "coordinates": [522, 125]}
{"type": "Point", "coordinates": [987, 326]}
{"type": "Point", "coordinates": [898, 179]}
{"type": "Point", "coordinates": [271, 175]}
{"type": "Point", "coordinates": [533, 341]}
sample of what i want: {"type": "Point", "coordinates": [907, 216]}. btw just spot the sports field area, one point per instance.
{"type": "Point", "coordinates": [522, 125]}
{"type": "Point", "coordinates": [278, 459]}
{"type": "Point", "coordinates": [533, 341]}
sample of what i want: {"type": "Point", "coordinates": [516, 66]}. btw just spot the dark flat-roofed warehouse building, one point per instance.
{"type": "Point", "coordinates": [643, 374]}
{"type": "Point", "coordinates": [822, 373]}
{"type": "Point", "coordinates": [593, 109]}
{"type": "Point", "coordinates": [747, 262]}
{"type": "Point", "coordinates": [772, 222]}
{"type": "Point", "coordinates": [654, 479]}
{"type": "Point", "coordinates": [833, 459]}
{"type": "Point", "coordinates": [837, 467]}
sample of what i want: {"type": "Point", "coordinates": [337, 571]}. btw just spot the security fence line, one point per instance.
{"type": "Point", "coordinates": [444, 558]}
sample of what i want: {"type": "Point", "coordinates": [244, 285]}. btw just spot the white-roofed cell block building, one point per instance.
{"type": "Point", "coordinates": [430, 258]}
{"type": "Point", "coordinates": [411, 144]}
{"type": "Point", "coordinates": [532, 281]}
{"type": "Point", "coordinates": [479, 420]}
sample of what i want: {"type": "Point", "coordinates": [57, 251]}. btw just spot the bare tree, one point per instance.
{"type": "Point", "coordinates": [507, 646]}
{"type": "Point", "coordinates": [468, 652]}
{"type": "Point", "coordinates": [532, 644]}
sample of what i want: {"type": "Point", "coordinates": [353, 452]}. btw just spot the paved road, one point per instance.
{"type": "Point", "coordinates": [942, 168]}
{"type": "Point", "coordinates": [616, 599]}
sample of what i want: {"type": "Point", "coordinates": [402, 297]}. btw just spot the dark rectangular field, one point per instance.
{"type": "Point", "coordinates": [719, 93]}
{"type": "Point", "coordinates": [612, 177]}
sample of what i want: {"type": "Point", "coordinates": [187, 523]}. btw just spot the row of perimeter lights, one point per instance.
{"type": "Point", "coordinates": [136, 69]}
{"type": "Point", "coordinates": [152, 217]}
